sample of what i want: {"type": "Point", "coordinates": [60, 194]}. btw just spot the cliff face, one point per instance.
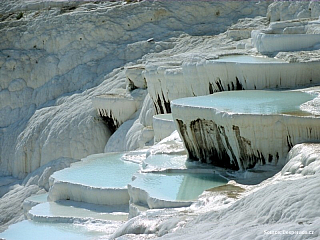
{"type": "Point", "coordinates": [53, 54]}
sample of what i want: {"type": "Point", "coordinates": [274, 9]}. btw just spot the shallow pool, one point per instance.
{"type": "Point", "coordinates": [51, 211]}
{"type": "Point", "coordinates": [39, 198]}
{"type": "Point", "coordinates": [54, 231]}
{"type": "Point", "coordinates": [177, 186]}
{"type": "Point", "coordinates": [164, 117]}
{"type": "Point", "coordinates": [164, 161]}
{"type": "Point", "coordinates": [251, 101]}
{"type": "Point", "coordinates": [247, 59]}
{"type": "Point", "coordinates": [101, 170]}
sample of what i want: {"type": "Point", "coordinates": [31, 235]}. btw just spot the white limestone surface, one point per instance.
{"type": "Point", "coordinates": [118, 108]}
{"type": "Point", "coordinates": [135, 77]}
{"type": "Point", "coordinates": [11, 204]}
{"type": "Point", "coordinates": [70, 212]}
{"type": "Point", "coordinates": [136, 132]}
{"type": "Point", "coordinates": [273, 43]}
{"type": "Point", "coordinates": [303, 159]}
{"type": "Point", "coordinates": [163, 126]}
{"type": "Point", "coordinates": [233, 129]}
{"type": "Point", "coordinates": [289, 10]}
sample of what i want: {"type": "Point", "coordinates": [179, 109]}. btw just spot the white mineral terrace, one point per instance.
{"type": "Point", "coordinates": [135, 77]}
{"type": "Point", "coordinates": [198, 77]}
{"type": "Point", "coordinates": [117, 108]}
{"type": "Point", "coordinates": [270, 43]}
{"type": "Point", "coordinates": [233, 129]}
{"type": "Point", "coordinates": [70, 211]}
{"type": "Point", "coordinates": [80, 181]}
{"type": "Point", "coordinates": [286, 36]}
{"type": "Point", "coordinates": [33, 201]}
{"type": "Point", "coordinates": [163, 126]}
{"type": "Point", "coordinates": [28, 229]}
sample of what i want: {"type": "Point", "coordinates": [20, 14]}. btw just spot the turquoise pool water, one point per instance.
{"type": "Point", "coordinates": [103, 170]}
{"type": "Point", "coordinates": [177, 186]}
{"type": "Point", "coordinates": [164, 116]}
{"type": "Point", "coordinates": [165, 161]}
{"type": "Point", "coordinates": [247, 59]}
{"type": "Point", "coordinates": [74, 209]}
{"type": "Point", "coordinates": [251, 101]}
{"type": "Point", "coordinates": [40, 198]}
{"type": "Point", "coordinates": [26, 230]}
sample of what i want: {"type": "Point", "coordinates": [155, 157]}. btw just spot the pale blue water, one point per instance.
{"type": "Point", "coordinates": [250, 101]}
{"type": "Point", "coordinates": [247, 59]}
{"type": "Point", "coordinates": [40, 198]}
{"type": "Point", "coordinates": [81, 210]}
{"type": "Point", "coordinates": [108, 170]}
{"type": "Point", "coordinates": [164, 116]}
{"type": "Point", "coordinates": [177, 187]}
{"type": "Point", "coordinates": [165, 161]}
{"type": "Point", "coordinates": [29, 230]}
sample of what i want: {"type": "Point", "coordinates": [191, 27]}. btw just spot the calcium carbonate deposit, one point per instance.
{"type": "Point", "coordinates": [159, 119]}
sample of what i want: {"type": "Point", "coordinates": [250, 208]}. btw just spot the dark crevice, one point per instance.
{"type": "Point", "coordinates": [219, 85]}
{"type": "Point", "coordinates": [131, 85]}
{"type": "Point", "coordinates": [239, 86]}
{"type": "Point", "coordinates": [109, 120]}
{"type": "Point", "coordinates": [289, 143]}
{"type": "Point", "coordinates": [166, 104]}
{"type": "Point", "coordinates": [161, 111]}
{"type": "Point", "coordinates": [206, 144]}
{"type": "Point", "coordinates": [155, 108]}
{"type": "Point", "coordinates": [247, 158]}
{"type": "Point", "coordinates": [210, 88]}
{"type": "Point", "coordinates": [233, 159]}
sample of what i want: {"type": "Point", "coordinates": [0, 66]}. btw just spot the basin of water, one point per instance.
{"type": "Point", "coordinates": [38, 231]}
{"type": "Point", "coordinates": [39, 198]}
{"type": "Point", "coordinates": [251, 102]}
{"type": "Point", "coordinates": [164, 161]}
{"type": "Point", "coordinates": [100, 170]}
{"type": "Point", "coordinates": [167, 117]}
{"type": "Point", "coordinates": [247, 59]}
{"type": "Point", "coordinates": [33, 201]}
{"type": "Point", "coordinates": [177, 186]}
{"type": "Point", "coordinates": [68, 211]}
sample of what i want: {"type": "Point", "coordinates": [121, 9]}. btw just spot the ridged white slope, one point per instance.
{"type": "Point", "coordinates": [303, 159]}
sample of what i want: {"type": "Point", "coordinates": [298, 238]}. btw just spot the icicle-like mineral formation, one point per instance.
{"type": "Point", "coordinates": [242, 128]}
